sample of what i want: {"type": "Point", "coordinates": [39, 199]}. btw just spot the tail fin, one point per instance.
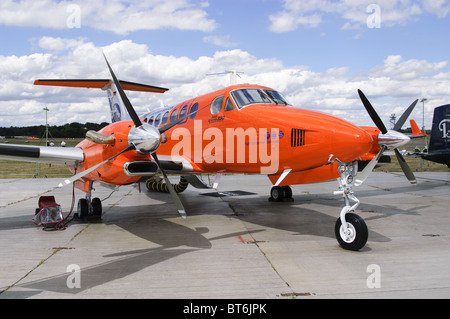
{"type": "Point", "coordinates": [118, 111]}
{"type": "Point", "coordinates": [440, 131]}
{"type": "Point", "coordinates": [416, 132]}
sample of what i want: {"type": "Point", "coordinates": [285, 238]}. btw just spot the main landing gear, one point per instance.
{"type": "Point", "coordinates": [280, 194]}
{"type": "Point", "coordinates": [351, 231]}
{"type": "Point", "coordinates": [87, 207]}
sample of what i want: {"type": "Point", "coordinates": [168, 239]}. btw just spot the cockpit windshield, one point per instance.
{"type": "Point", "coordinates": [244, 97]}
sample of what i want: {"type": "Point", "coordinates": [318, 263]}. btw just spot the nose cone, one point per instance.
{"type": "Point", "coordinates": [350, 142]}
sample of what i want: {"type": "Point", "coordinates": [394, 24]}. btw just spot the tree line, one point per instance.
{"type": "Point", "coordinates": [70, 130]}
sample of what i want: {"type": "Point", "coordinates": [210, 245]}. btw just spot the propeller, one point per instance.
{"type": "Point", "coordinates": [386, 139]}
{"type": "Point", "coordinates": [144, 138]}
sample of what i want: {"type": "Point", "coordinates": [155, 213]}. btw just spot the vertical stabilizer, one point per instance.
{"type": "Point", "coordinates": [439, 148]}
{"type": "Point", "coordinates": [440, 132]}
{"type": "Point", "coordinates": [116, 106]}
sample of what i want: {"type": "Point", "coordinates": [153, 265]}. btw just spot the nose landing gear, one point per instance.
{"type": "Point", "coordinates": [351, 231]}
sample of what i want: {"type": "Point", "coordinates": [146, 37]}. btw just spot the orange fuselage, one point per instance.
{"type": "Point", "coordinates": [258, 138]}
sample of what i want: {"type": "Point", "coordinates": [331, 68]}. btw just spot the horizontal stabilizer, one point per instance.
{"type": "Point", "coordinates": [100, 84]}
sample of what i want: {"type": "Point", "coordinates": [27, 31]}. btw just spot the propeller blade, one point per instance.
{"type": "Point", "coordinates": [373, 114]}
{"type": "Point", "coordinates": [405, 167]}
{"type": "Point", "coordinates": [83, 173]}
{"type": "Point", "coordinates": [172, 191]}
{"type": "Point", "coordinates": [404, 116]}
{"type": "Point", "coordinates": [361, 177]}
{"type": "Point", "coordinates": [137, 122]}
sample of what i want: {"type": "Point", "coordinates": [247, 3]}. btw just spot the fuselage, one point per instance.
{"type": "Point", "coordinates": [239, 129]}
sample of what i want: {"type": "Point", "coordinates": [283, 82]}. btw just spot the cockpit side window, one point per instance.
{"type": "Point", "coordinates": [229, 105]}
{"type": "Point", "coordinates": [216, 105]}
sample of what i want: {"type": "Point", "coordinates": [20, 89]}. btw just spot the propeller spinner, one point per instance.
{"type": "Point", "coordinates": [143, 138]}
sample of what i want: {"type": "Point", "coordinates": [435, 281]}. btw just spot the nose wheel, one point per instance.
{"type": "Point", "coordinates": [350, 230]}
{"type": "Point", "coordinates": [354, 235]}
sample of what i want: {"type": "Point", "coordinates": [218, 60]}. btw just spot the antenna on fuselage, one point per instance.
{"type": "Point", "coordinates": [233, 75]}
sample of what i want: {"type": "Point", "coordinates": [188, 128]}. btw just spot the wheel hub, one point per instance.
{"type": "Point", "coordinates": [348, 233]}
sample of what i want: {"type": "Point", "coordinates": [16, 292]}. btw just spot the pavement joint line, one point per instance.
{"type": "Point", "coordinates": [55, 250]}
{"type": "Point", "coordinates": [255, 242]}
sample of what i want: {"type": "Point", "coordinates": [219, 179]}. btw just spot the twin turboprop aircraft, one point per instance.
{"type": "Point", "coordinates": [238, 129]}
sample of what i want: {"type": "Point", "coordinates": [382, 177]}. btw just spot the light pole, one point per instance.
{"type": "Point", "coordinates": [46, 126]}
{"type": "Point", "coordinates": [423, 113]}
{"type": "Point", "coordinates": [423, 120]}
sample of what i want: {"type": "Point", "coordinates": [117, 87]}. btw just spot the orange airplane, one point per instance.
{"type": "Point", "coordinates": [238, 129]}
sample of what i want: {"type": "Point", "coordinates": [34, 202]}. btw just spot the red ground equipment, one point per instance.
{"type": "Point", "coordinates": [49, 213]}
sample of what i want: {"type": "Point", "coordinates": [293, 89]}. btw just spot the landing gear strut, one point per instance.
{"type": "Point", "coordinates": [351, 231]}
{"type": "Point", "coordinates": [87, 207]}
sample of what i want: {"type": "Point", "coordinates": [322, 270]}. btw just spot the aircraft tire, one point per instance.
{"type": "Point", "coordinates": [96, 206]}
{"type": "Point", "coordinates": [287, 191]}
{"type": "Point", "coordinates": [82, 208]}
{"type": "Point", "coordinates": [359, 232]}
{"type": "Point", "coordinates": [277, 193]}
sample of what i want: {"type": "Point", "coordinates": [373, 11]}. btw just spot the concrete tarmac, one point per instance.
{"type": "Point", "coordinates": [231, 246]}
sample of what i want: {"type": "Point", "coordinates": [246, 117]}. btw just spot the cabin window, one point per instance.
{"type": "Point", "coordinates": [193, 109]}
{"type": "Point", "coordinates": [183, 111]}
{"type": "Point", "coordinates": [216, 105]}
{"type": "Point", "coordinates": [157, 119]}
{"type": "Point", "coordinates": [164, 118]}
{"type": "Point", "coordinates": [173, 116]}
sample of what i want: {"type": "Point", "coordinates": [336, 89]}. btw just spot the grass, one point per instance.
{"type": "Point", "coordinates": [15, 169]}
{"type": "Point", "coordinates": [416, 164]}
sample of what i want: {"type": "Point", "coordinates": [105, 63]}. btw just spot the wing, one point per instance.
{"type": "Point", "coordinates": [41, 154]}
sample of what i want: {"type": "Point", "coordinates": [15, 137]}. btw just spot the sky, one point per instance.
{"type": "Point", "coordinates": [317, 53]}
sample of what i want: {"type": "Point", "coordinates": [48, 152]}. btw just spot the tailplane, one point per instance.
{"type": "Point", "coordinates": [118, 111]}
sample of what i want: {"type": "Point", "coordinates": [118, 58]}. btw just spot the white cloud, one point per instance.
{"type": "Point", "coordinates": [311, 13]}
{"type": "Point", "coordinates": [390, 86]}
{"type": "Point", "coordinates": [118, 16]}
{"type": "Point", "coordinates": [440, 8]}
{"type": "Point", "coordinates": [220, 40]}
{"type": "Point", "coordinates": [58, 44]}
